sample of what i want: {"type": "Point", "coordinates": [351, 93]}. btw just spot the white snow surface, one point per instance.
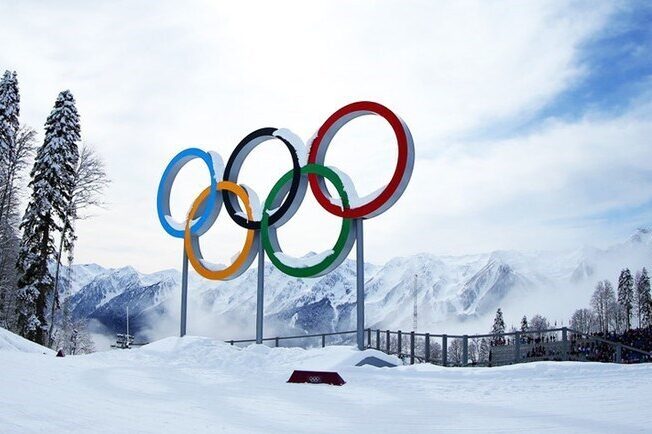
{"type": "Point", "coordinates": [14, 343]}
{"type": "Point", "coordinates": [175, 224]}
{"type": "Point", "coordinates": [355, 200]}
{"type": "Point", "coordinates": [296, 142]}
{"type": "Point", "coordinates": [218, 165]}
{"type": "Point", "coordinates": [196, 384]}
{"type": "Point", "coordinates": [254, 203]}
{"type": "Point", "coordinates": [212, 265]}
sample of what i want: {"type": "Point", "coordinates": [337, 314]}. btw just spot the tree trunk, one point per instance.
{"type": "Point", "coordinates": [40, 334]}
{"type": "Point", "coordinates": [55, 293]}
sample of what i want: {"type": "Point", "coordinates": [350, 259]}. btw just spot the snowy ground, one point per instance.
{"type": "Point", "coordinates": [200, 385]}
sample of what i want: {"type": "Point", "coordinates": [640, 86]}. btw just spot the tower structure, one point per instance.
{"type": "Point", "coordinates": [414, 312]}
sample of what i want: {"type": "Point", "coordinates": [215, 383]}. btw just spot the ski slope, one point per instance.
{"type": "Point", "coordinates": [197, 384]}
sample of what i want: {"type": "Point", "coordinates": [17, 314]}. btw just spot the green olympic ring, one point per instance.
{"type": "Point", "coordinates": [269, 238]}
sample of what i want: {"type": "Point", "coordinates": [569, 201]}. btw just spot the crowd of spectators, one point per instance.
{"type": "Point", "coordinates": [594, 350]}
{"type": "Point", "coordinates": [584, 347]}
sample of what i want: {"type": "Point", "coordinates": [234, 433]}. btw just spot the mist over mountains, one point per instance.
{"type": "Point", "coordinates": [454, 293]}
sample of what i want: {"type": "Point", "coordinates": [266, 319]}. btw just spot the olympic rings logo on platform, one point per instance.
{"type": "Point", "coordinates": [285, 197]}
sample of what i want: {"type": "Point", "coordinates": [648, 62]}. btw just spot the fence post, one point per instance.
{"type": "Point", "coordinates": [412, 348]}
{"type": "Point", "coordinates": [619, 353]}
{"type": "Point", "coordinates": [564, 339]}
{"type": "Point", "coordinates": [388, 342]}
{"type": "Point", "coordinates": [427, 350]}
{"type": "Point", "coordinates": [444, 350]}
{"type": "Point", "coordinates": [323, 341]}
{"type": "Point", "coordinates": [517, 347]}
{"type": "Point", "coordinates": [465, 350]}
{"type": "Point", "coordinates": [276, 341]}
{"type": "Point", "coordinates": [368, 338]}
{"type": "Point", "coordinates": [378, 339]}
{"type": "Point", "coordinates": [400, 344]}
{"type": "Point", "coordinates": [231, 342]}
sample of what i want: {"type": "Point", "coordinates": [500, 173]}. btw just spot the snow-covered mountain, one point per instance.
{"type": "Point", "coordinates": [454, 293]}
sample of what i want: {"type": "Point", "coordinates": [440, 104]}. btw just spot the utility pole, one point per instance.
{"type": "Point", "coordinates": [124, 341]}
{"type": "Point", "coordinates": [414, 312]}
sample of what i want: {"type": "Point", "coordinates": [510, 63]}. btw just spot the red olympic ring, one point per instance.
{"type": "Point", "coordinates": [402, 173]}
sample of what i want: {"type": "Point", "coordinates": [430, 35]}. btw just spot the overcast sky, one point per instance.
{"type": "Point", "coordinates": [531, 120]}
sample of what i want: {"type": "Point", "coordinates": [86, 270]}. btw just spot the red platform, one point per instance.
{"type": "Point", "coordinates": [316, 377]}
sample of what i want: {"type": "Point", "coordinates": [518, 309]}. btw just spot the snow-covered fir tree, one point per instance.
{"type": "Point", "coordinates": [9, 128]}
{"type": "Point", "coordinates": [524, 325]}
{"type": "Point", "coordinates": [16, 147]}
{"type": "Point", "coordinates": [643, 299]}
{"type": "Point", "coordinates": [626, 295]}
{"type": "Point", "coordinates": [51, 182]}
{"type": "Point", "coordinates": [9, 109]}
{"type": "Point", "coordinates": [498, 328]}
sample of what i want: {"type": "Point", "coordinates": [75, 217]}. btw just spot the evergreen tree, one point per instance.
{"type": "Point", "coordinates": [52, 179]}
{"type": "Point", "coordinates": [626, 295]}
{"type": "Point", "coordinates": [498, 328]}
{"type": "Point", "coordinates": [9, 112]}
{"type": "Point", "coordinates": [16, 148]}
{"type": "Point", "coordinates": [643, 299]}
{"type": "Point", "coordinates": [524, 324]}
{"type": "Point", "coordinates": [9, 125]}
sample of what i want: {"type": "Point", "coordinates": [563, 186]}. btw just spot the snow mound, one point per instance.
{"type": "Point", "coordinates": [196, 384]}
{"type": "Point", "coordinates": [335, 358]}
{"type": "Point", "coordinates": [12, 342]}
{"type": "Point", "coordinates": [202, 351]}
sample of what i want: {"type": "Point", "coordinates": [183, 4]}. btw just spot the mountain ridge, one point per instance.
{"type": "Point", "coordinates": [451, 291]}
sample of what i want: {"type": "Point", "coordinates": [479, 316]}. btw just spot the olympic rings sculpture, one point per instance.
{"type": "Point", "coordinates": [285, 197]}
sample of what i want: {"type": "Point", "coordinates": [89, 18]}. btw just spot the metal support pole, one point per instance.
{"type": "Point", "coordinates": [388, 341]}
{"type": "Point", "coordinates": [378, 339]}
{"type": "Point", "coordinates": [465, 350]}
{"type": "Point", "coordinates": [619, 353]}
{"type": "Point", "coordinates": [564, 339]}
{"type": "Point", "coordinates": [184, 293]}
{"type": "Point", "coordinates": [359, 247]}
{"type": "Point", "coordinates": [517, 347]}
{"type": "Point", "coordinates": [444, 350]}
{"type": "Point", "coordinates": [276, 342]}
{"type": "Point", "coordinates": [412, 348]}
{"type": "Point", "coordinates": [260, 293]}
{"type": "Point", "coordinates": [399, 346]}
{"type": "Point", "coordinates": [427, 350]}
{"type": "Point", "coordinates": [323, 341]}
{"type": "Point", "coordinates": [368, 338]}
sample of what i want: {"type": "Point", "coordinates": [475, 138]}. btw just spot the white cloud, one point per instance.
{"type": "Point", "coordinates": [154, 78]}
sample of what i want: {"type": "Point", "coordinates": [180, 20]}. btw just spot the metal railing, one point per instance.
{"type": "Point", "coordinates": [278, 339]}
{"type": "Point", "coordinates": [463, 350]}
{"type": "Point", "coordinates": [503, 348]}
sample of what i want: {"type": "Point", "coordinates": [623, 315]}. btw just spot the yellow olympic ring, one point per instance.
{"type": "Point", "coordinates": [191, 243]}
